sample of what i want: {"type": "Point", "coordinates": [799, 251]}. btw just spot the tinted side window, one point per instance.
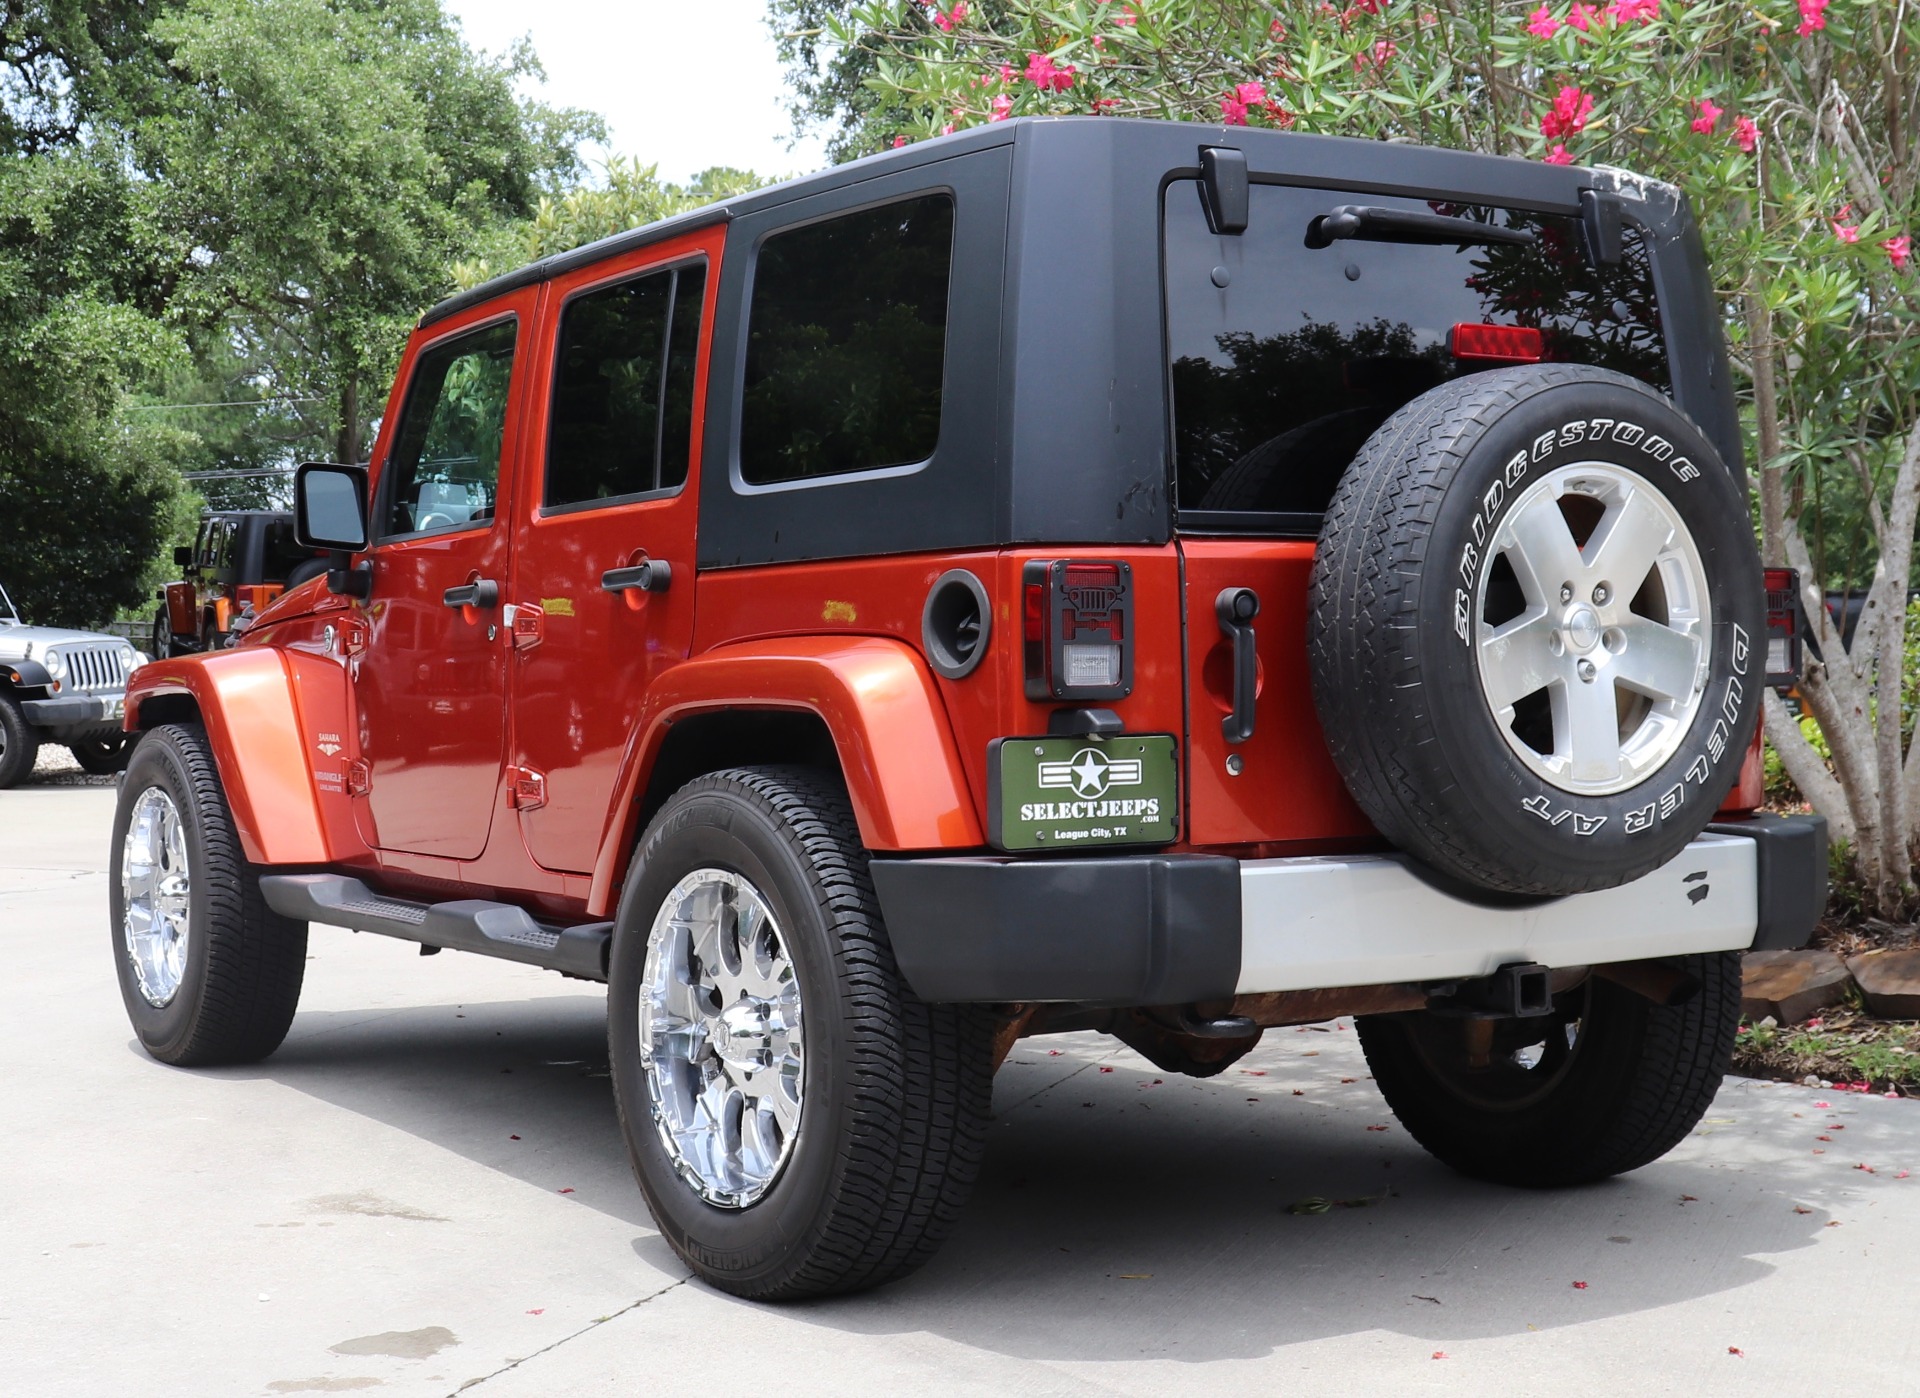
{"type": "Point", "coordinates": [846, 343]}
{"type": "Point", "coordinates": [623, 388]}
{"type": "Point", "coordinates": [1281, 374]}
{"type": "Point", "coordinates": [445, 468]}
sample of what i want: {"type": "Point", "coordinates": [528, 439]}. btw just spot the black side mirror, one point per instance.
{"type": "Point", "coordinates": [330, 507]}
{"type": "Point", "coordinates": [182, 555]}
{"type": "Point", "coordinates": [330, 512]}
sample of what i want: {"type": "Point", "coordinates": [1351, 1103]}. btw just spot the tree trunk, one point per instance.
{"type": "Point", "coordinates": [347, 443]}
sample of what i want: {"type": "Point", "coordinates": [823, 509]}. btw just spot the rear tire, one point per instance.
{"type": "Point", "coordinates": [1632, 1081]}
{"type": "Point", "coordinates": [19, 743]}
{"type": "Point", "coordinates": [876, 1149]}
{"type": "Point", "coordinates": [210, 975]}
{"type": "Point", "coordinates": [102, 757]}
{"type": "Point", "coordinates": [162, 635]}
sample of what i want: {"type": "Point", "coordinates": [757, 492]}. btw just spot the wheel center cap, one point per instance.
{"type": "Point", "coordinates": [742, 1033]}
{"type": "Point", "coordinates": [1582, 629]}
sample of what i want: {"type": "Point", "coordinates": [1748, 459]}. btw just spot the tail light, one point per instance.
{"type": "Point", "coordinates": [1783, 627]}
{"type": "Point", "coordinates": [1076, 632]}
{"type": "Point", "coordinates": [1497, 344]}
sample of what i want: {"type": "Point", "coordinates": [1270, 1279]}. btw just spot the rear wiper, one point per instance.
{"type": "Point", "coordinates": [1365, 223]}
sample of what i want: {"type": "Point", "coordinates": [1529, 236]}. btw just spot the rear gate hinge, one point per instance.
{"type": "Point", "coordinates": [526, 788]}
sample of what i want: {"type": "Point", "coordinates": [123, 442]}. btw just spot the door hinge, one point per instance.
{"type": "Point", "coordinates": [526, 624]}
{"type": "Point", "coordinates": [526, 788]}
{"type": "Point", "coordinates": [359, 777]}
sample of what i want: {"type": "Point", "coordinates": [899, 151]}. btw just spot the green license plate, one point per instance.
{"type": "Point", "coordinates": [1079, 793]}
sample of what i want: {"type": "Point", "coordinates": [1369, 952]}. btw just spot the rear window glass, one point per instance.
{"type": "Point", "coordinates": [1281, 374]}
{"type": "Point", "coordinates": [623, 389]}
{"type": "Point", "coordinates": [847, 342]}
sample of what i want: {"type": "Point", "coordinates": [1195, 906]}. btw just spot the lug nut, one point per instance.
{"type": "Point", "coordinates": [1566, 592]}
{"type": "Point", "coordinates": [1601, 592]}
{"type": "Point", "coordinates": [1587, 671]}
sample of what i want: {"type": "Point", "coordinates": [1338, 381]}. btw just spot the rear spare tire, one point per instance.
{"type": "Point", "coordinates": [1535, 629]}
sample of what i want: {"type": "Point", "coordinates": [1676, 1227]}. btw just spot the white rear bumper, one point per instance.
{"type": "Point", "coordinates": [1319, 922]}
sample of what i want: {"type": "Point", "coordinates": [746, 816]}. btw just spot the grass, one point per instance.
{"type": "Point", "coordinates": [1843, 1047]}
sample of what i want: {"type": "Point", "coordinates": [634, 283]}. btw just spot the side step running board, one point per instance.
{"type": "Point", "coordinates": [492, 929]}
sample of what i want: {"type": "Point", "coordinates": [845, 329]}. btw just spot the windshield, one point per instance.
{"type": "Point", "coordinates": [1291, 343]}
{"type": "Point", "coordinates": [8, 616]}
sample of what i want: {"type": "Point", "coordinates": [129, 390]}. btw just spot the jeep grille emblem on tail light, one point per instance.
{"type": "Point", "coordinates": [1075, 629]}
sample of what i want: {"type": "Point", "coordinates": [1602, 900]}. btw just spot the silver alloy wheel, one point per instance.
{"type": "Point", "coordinates": [156, 884]}
{"type": "Point", "coordinates": [1592, 645]}
{"type": "Point", "coordinates": [721, 1037]}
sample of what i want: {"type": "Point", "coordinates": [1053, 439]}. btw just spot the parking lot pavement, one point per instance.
{"type": "Point", "coordinates": [424, 1191]}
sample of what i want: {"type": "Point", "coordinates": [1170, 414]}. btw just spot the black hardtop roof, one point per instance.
{"type": "Point", "coordinates": [1506, 179]}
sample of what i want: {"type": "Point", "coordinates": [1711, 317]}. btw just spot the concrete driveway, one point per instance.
{"type": "Point", "coordinates": [424, 1192]}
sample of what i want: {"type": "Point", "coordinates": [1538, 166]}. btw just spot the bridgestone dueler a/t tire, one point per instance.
{"type": "Point", "coordinates": [896, 1092]}
{"type": "Point", "coordinates": [1640, 1079]}
{"type": "Point", "coordinates": [1395, 679]}
{"type": "Point", "coordinates": [245, 962]}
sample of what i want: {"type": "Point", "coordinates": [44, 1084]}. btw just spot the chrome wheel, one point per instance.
{"type": "Point", "coordinates": [721, 1038]}
{"type": "Point", "coordinates": [1591, 628]}
{"type": "Point", "coordinates": [156, 884]}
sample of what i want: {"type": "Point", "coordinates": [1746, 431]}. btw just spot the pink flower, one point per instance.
{"type": "Point", "coordinates": [1571, 108]}
{"type": "Point", "coordinates": [1813, 15]}
{"type": "Point", "coordinates": [1233, 111]}
{"type": "Point", "coordinates": [1583, 17]}
{"type": "Point", "coordinates": [1746, 134]}
{"type": "Point", "coordinates": [1541, 23]}
{"type": "Point", "coordinates": [1630, 11]}
{"type": "Point", "coordinates": [947, 130]}
{"type": "Point", "coordinates": [1846, 232]}
{"type": "Point", "coordinates": [1379, 55]}
{"type": "Point", "coordinates": [1559, 155]}
{"type": "Point", "coordinates": [899, 141]}
{"type": "Point", "coordinates": [1007, 75]}
{"type": "Point", "coordinates": [1253, 94]}
{"type": "Point", "coordinates": [1709, 114]}
{"type": "Point", "coordinates": [1042, 73]}
{"type": "Point", "coordinates": [1899, 251]}
{"type": "Point", "coordinates": [1002, 108]}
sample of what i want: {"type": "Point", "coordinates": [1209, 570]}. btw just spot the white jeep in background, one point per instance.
{"type": "Point", "coordinates": [61, 686]}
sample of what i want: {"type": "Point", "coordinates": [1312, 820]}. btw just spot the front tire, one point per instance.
{"type": "Point", "coordinates": [210, 975]}
{"type": "Point", "coordinates": [800, 1123]}
{"type": "Point", "coordinates": [1608, 1083]}
{"type": "Point", "coordinates": [19, 744]}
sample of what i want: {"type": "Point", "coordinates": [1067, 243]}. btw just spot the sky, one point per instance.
{"type": "Point", "coordinates": [684, 83]}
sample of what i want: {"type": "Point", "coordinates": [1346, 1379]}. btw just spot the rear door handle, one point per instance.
{"type": "Point", "coordinates": [481, 592]}
{"type": "Point", "coordinates": [1236, 607]}
{"type": "Point", "coordinates": [651, 576]}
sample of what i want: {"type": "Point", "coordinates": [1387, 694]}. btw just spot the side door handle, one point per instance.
{"type": "Point", "coordinates": [481, 592]}
{"type": "Point", "coordinates": [1236, 607]}
{"type": "Point", "coordinates": [651, 576]}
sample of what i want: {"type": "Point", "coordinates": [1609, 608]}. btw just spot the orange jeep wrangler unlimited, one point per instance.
{"type": "Point", "coordinates": [1075, 574]}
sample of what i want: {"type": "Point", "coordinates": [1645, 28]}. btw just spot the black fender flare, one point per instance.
{"type": "Point", "coordinates": [26, 674]}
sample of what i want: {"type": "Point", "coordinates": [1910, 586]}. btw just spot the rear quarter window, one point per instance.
{"type": "Point", "coordinates": [846, 343]}
{"type": "Point", "coordinates": [1285, 358]}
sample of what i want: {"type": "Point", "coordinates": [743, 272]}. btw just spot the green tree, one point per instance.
{"type": "Point", "coordinates": [324, 163]}
{"type": "Point", "coordinates": [1792, 125]}
{"type": "Point", "coordinates": [629, 195]}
